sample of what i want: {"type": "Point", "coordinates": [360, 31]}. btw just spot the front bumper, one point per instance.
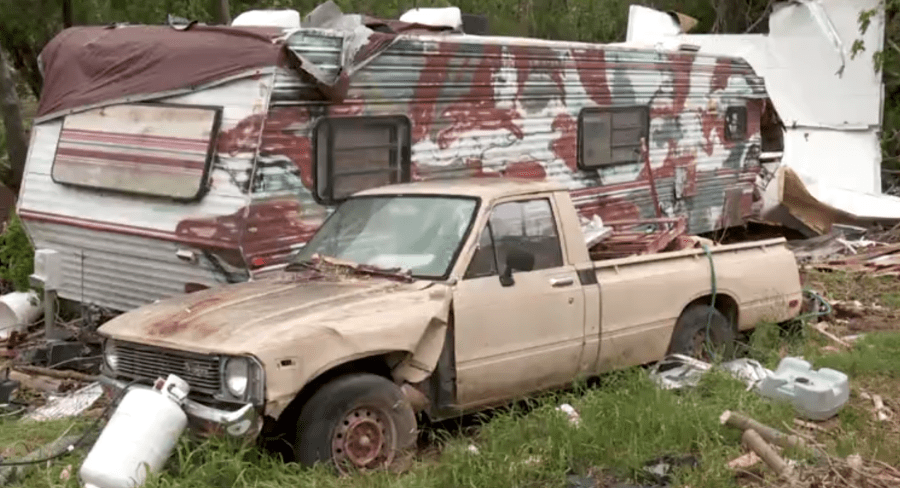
{"type": "Point", "coordinates": [205, 421]}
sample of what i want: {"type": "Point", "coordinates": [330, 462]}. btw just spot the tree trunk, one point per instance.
{"type": "Point", "coordinates": [67, 14]}
{"type": "Point", "coordinates": [224, 11]}
{"type": "Point", "coordinates": [16, 141]}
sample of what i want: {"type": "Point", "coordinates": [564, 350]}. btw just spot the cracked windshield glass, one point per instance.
{"type": "Point", "coordinates": [419, 235]}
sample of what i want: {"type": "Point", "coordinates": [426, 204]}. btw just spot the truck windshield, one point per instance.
{"type": "Point", "coordinates": [417, 234]}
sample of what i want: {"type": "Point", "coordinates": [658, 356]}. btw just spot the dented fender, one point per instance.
{"type": "Point", "coordinates": [409, 327]}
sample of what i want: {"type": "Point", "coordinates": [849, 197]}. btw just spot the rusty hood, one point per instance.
{"type": "Point", "coordinates": [265, 317]}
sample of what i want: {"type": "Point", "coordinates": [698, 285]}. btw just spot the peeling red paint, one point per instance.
{"type": "Point", "coordinates": [287, 133]}
{"type": "Point", "coordinates": [537, 59]}
{"type": "Point", "coordinates": [243, 137]}
{"type": "Point", "coordinates": [477, 170]}
{"type": "Point", "coordinates": [478, 110]}
{"type": "Point", "coordinates": [428, 90]}
{"type": "Point", "coordinates": [721, 72]}
{"type": "Point", "coordinates": [672, 161]}
{"type": "Point", "coordinates": [566, 146]}
{"type": "Point", "coordinates": [711, 124]}
{"type": "Point", "coordinates": [349, 108]}
{"type": "Point", "coordinates": [680, 67]}
{"type": "Point", "coordinates": [591, 66]}
{"type": "Point", "coordinates": [526, 169]}
{"type": "Point", "coordinates": [607, 207]}
{"type": "Point", "coordinates": [754, 116]}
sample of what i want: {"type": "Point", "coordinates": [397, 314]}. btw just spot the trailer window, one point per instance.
{"type": "Point", "coordinates": [611, 136]}
{"type": "Point", "coordinates": [736, 123]}
{"type": "Point", "coordinates": [161, 150]}
{"type": "Point", "coordinates": [355, 154]}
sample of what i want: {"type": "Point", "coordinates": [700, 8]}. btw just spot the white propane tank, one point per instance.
{"type": "Point", "coordinates": [144, 429]}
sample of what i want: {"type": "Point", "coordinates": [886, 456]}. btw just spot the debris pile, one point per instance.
{"type": "Point", "coordinates": [876, 252]}
{"type": "Point", "coordinates": [822, 470]}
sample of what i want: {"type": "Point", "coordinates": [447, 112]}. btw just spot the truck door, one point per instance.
{"type": "Point", "coordinates": [522, 332]}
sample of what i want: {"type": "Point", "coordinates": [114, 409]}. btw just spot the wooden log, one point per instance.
{"type": "Point", "coordinates": [56, 373]}
{"type": "Point", "coordinates": [757, 444]}
{"type": "Point", "coordinates": [770, 434]}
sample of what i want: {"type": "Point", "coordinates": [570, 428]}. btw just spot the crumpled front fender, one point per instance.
{"type": "Point", "coordinates": [408, 326]}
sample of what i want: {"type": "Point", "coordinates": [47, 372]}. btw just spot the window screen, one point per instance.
{"type": "Point", "coordinates": [611, 136]}
{"type": "Point", "coordinates": [355, 154]}
{"type": "Point", "coordinates": [151, 149]}
{"type": "Point", "coordinates": [736, 123]}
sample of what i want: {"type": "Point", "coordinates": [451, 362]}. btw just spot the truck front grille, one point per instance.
{"type": "Point", "coordinates": [200, 371]}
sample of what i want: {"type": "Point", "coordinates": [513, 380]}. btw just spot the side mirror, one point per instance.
{"type": "Point", "coordinates": [516, 259]}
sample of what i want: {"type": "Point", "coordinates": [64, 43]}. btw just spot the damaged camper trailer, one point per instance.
{"type": "Point", "coordinates": [165, 160]}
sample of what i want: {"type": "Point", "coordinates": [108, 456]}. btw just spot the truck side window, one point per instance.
{"type": "Point", "coordinates": [524, 225]}
{"type": "Point", "coordinates": [357, 153]}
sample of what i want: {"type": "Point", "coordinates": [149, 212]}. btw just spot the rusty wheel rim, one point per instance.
{"type": "Point", "coordinates": [363, 441]}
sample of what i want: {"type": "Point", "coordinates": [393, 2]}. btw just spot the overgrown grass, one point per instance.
{"type": "Point", "coordinates": [625, 422]}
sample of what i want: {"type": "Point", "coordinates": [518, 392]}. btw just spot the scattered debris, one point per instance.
{"type": "Point", "coordinates": [821, 327]}
{"type": "Point", "coordinates": [10, 471]}
{"type": "Point", "coordinates": [571, 413]}
{"type": "Point", "coordinates": [679, 371]}
{"type": "Point", "coordinates": [816, 395]}
{"type": "Point", "coordinates": [7, 387]}
{"type": "Point", "coordinates": [69, 405]}
{"type": "Point", "coordinates": [880, 411]}
{"type": "Point", "coordinates": [744, 461]}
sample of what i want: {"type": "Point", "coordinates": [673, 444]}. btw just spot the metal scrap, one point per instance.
{"type": "Point", "coordinates": [679, 371]}
{"type": "Point", "coordinates": [69, 405]}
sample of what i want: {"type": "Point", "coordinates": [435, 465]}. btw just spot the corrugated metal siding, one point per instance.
{"type": "Point", "coordinates": [129, 242]}
{"type": "Point", "coordinates": [481, 119]}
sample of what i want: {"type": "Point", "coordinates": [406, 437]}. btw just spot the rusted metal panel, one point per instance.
{"type": "Point", "coordinates": [122, 250]}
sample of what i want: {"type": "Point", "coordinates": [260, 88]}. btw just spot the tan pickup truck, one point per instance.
{"type": "Point", "coordinates": [431, 300]}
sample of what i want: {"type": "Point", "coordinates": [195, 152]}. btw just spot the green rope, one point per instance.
{"type": "Point", "coordinates": [713, 285]}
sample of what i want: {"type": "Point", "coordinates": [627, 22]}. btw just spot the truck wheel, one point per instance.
{"type": "Point", "coordinates": [358, 422]}
{"type": "Point", "coordinates": [701, 335]}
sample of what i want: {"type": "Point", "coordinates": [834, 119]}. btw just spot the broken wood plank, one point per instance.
{"type": "Point", "coordinates": [820, 328]}
{"type": "Point", "coordinates": [55, 373]}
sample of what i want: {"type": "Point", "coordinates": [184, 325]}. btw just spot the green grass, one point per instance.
{"type": "Point", "coordinates": [626, 421]}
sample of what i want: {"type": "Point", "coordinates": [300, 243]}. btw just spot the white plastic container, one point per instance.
{"type": "Point", "coordinates": [17, 311]}
{"type": "Point", "coordinates": [816, 395]}
{"type": "Point", "coordinates": [139, 437]}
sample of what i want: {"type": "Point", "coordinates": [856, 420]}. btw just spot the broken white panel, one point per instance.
{"type": "Point", "coordinates": [829, 101]}
{"type": "Point", "coordinates": [435, 17]}
{"type": "Point", "coordinates": [284, 18]}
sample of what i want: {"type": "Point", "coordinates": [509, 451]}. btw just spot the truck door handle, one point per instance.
{"type": "Point", "coordinates": [561, 282]}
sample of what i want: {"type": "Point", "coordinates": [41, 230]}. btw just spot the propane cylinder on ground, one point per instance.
{"type": "Point", "coordinates": [139, 437]}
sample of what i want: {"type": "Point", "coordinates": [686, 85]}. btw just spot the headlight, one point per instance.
{"type": "Point", "coordinates": [111, 355]}
{"type": "Point", "coordinates": [237, 373]}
